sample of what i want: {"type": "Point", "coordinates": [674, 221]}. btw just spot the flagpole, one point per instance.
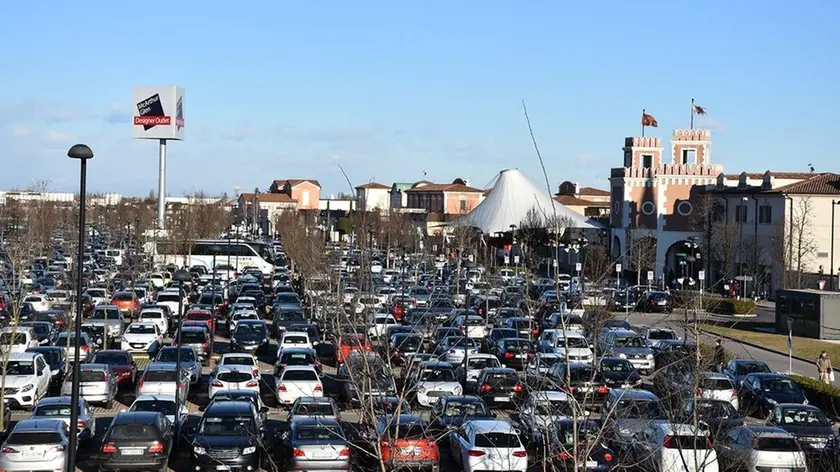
{"type": "Point", "coordinates": [643, 122]}
{"type": "Point", "coordinates": [692, 113]}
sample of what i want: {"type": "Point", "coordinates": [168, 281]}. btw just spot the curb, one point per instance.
{"type": "Point", "coordinates": [801, 359]}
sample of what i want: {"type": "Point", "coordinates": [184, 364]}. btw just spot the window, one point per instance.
{"type": "Point", "coordinates": [765, 214]}
{"type": "Point", "coordinates": [689, 156]}
{"type": "Point", "coordinates": [647, 161]}
{"type": "Point", "coordinates": [463, 203]}
{"type": "Point", "coordinates": [305, 198]}
{"type": "Point", "coordinates": [741, 214]}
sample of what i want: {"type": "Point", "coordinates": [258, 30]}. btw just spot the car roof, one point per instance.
{"type": "Point", "coordinates": [623, 332]}
{"type": "Point", "coordinates": [798, 406]}
{"type": "Point", "coordinates": [299, 367]}
{"type": "Point", "coordinates": [228, 408]}
{"type": "Point", "coordinates": [462, 398]}
{"type": "Point", "coordinates": [161, 365]}
{"type": "Point", "coordinates": [492, 426]}
{"type": "Point", "coordinates": [310, 421]}
{"type": "Point", "coordinates": [768, 375]}
{"type": "Point", "coordinates": [23, 356]}
{"type": "Point", "coordinates": [237, 354]}
{"type": "Point", "coordinates": [155, 397]}
{"type": "Point", "coordinates": [633, 394]}
{"type": "Point", "coordinates": [64, 400]}
{"type": "Point", "coordinates": [135, 417]}
{"type": "Point", "coordinates": [299, 350]}
{"type": "Point", "coordinates": [234, 368]}
{"type": "Point", "coordinates": [714, 375]}
{"type": "Point", "coordinates": [549, 395]}
{"type": "Point", "coordinates": [38, 424]}
{"type": "Point", "coordinates": [93, 367]}
{"type": "Point", "coordinates": [499, 370]}
{"type": "Point", "coordinates": [481, 355]}
{"type": "Point", "coordinates": [768, 431]}
{"type": "Point", "coordinates": [325, 400]}
{"type": "Point", "coordinates": [236, 393]}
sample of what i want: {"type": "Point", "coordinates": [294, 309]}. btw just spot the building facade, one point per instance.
{"type": "Point", "coordinates": [372, 196]}
{"type": "Point", "coordinates": [305, 192]}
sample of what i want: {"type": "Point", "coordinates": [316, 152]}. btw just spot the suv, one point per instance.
{"type": "Point", "coordinates": [27, 379]}
{"type": "Point", "coordinates": [627, 412]}
{"type": "Point", "coordinates": [198, 339]}
{"type": "Point", "coordinates": [626, 344]}
{"type": "Point", "coordinates": [47, 442]}
{"type": "Point", "coordinates": [136, 440]}
{"type": "Point", "coordinates": [228, 436]}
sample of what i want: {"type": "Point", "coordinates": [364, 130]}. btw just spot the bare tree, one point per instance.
{"type": "Point", "coordinates": [641, 251]}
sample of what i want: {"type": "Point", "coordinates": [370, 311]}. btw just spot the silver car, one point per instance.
{"type": "Point", "coordinates": [58, 408]}
{"type": "Point", "coordinates": [160, 378]}
{"type": "Point", "coordinates": [67, 340]}
{"type": "Point", "coordinates": [190, 361]}
{"type": "Point", "coordinates": [36, 444]}
{"type": "Point", "coordinates": [322, 442]}
{"type": "Point", "coordinates": [97, 383]}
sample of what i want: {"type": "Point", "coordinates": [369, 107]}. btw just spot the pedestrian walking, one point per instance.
{"type": "Point", "coordinates": [720, 355]}
{"type": "Point", "coordinates": [824, 368]}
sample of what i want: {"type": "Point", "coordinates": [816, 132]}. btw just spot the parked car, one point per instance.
{"type": "Point", "coordinates": [315, 444]}
{"type": "Point", "coordinates": [407, 442]}
{"type": "Point", "coordinates": [229, 435]}
{"type": "Point", "coordinates": [136, 440]}
{"type": "Point", "coordinates": [121, 363]}
{"type": "Point", "coordinates": [36, 444]}
{"type": "Point", "coordinates": [451, 411]}
{"type": "Point", "coordinates": [760, 393]}
{"type": "Point", "coordinates": [488, 445]}
{"type": "Point", "coordinates": [97, 384]}
{"type": "Point", "coordinates": [27, 379]}
{"type": "Point", "coordinates": [163, 403]}
{"type": "Point", "coordinates": [814, 432]}
{"type": "Point", "coordinates": [760, 448]}
{"type": "Point", "coordinates": [58, 408]}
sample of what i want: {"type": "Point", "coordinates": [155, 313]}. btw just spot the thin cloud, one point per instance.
{"type": "Point", "coordinates": [241, 132]}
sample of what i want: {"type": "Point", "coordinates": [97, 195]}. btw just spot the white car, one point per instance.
{"type": "Point", "coordinates": [27, 379]}
{"type": "Point", "coordinates": [18, 339]}
{"type": "Point", "coordinates": [541, 362]}
{"type": "Point", "coordinates": [171, 299]}
{"type": "Point", "coordinates": [141, 336]}
{"type": "Point", "coordinates": [98, 296]}
{"type": "Point", "coordinates": [579, 347]}
{"type": "Point", "coordinates": [241, 316]}
{"type": "Point", "coordinates": [293, 339]}
{"type": "Point", "coordinates": [375, 267]}
{"type": "Point", "coordinates": [241, 359]}
{"type": "Point", "coordinates": [475, 363]}
{"type": "Point", "coordinates": [762, 448]}
{"type": "Point", "coordinates": [668, 447]}
{"type": "Point", "coordinates": [163, 403]}
{"type": "Point", "coordinates": [349, 294]}
{"type": "Point", "coordinates": [457, 348]}
{"type": "Point", "coordinates": [380, 324]}
{"type": "Point", "coordinates": [488, 445]}
{"type": "Point", "coordinates": [38, 302]}
{"type": "Point", "coordinates": [716, 386]}
{"type": "Point", "coordinates": [156, 316]}
{"type": "Point", "coordinates": [232, 377]}
{"type": "Point", "coordinates": [297, 381]}
{"type": "Point", "coordinates": [436, 379]}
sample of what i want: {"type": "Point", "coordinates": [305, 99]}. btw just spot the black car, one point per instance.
{"type": "Point", "coordinates": [367, 370]}
{"type": "Point", "coordinates": [582, 381]}
{"type": "Point", "coordinates": [589, 439]}
{"type": "Point", "coordinates": [661, 302]}
{"type": "Point", "coordinates": [451, 411]}
{"type": "Point", "coordinates": [513, 352]}
{"type": "Point", "coordinates": [243, 396]}
{"type": "Point", "coordinates": [718, 416]}
{"type": "Point", "coordinates": [228, 436]}
{"type": "Point", "coordinates": [403, 345]}
{"type": "Point", "coordinates": [738, 369]}
{"type": "Point", "coordinates": [250, 336]}
{"type": "Point", "coordinates": [56, 358]}
{"type": "Point", "coordinates": [313, 330]}
{"type": "Point", "coordinates": [495, 335]}
{"type": "Point", "coordinates": [760, 393]}
{"type": "Point", "coordinates": [619, 373]}
{"type": "Point", "coordinates": [96, 334]}
{"type": "Point", "coordinates": [44, 330]}
{"type": "Point", "coordinates": [136, 440]}
{"type": "Point", "coordinates": [285, 318]}
{"type": "Point", "coordinates": [813, 431]}
{"type": "Point", "coordinates": [499, 386]}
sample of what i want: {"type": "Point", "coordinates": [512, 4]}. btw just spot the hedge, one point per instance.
{"type": "Point", "coordinates": [722, 306]}
{"type": "Point", "coordinates": [825, 397]}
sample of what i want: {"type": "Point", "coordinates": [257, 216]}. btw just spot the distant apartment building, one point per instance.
{"type": "Point", "coordinates": [372, 196]}
{"type": "Point", "coordinates": [588, 201]}
{"type": "Point", "coordinates": [444, 201]}
{"type": "Point", "coordinates": [305, 192]}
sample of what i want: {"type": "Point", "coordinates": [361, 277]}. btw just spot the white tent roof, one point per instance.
{"type": "Point", "coordinates": [509, 202]}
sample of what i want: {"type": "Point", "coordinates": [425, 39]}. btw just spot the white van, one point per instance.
{"type": "Point", "coordinates": [116, 254]}
{"type": "Point", "coordinates": [18, 339]}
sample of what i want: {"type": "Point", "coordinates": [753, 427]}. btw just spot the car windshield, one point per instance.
{"type": "Point", "coordinates": [804, 417]}
{"type": "Point", "coordinates": [250, 329]}
{"type": "Point", "coordinates": [52, 410]}
{"type": "Point", "coordinates": [504, 333]}
{"type": "Point", "coordinates": [466, 409]}
{"type": "Point", "coordinates": [459, 341]}
{"type": "Point", "coordinates": [159, 376]}
{"type": "Point", "coordinates": [33, 438]}
{"type": "Point", "coordinates": [105, 314]}
{"type": "Point", "coordinates": [319, 433]}
{"type": "Point", "coordinates": [295, 340]}
{"type": "Point", "coordinates": [661, 334]}
{"type": "Point", "coordinates": [636, 409]}
{"type": "Point", "coordinates": [291, 316]}
{"type": "Point", "coordinates": [409, 431]}
{"type": "Point", "coordinates": [170, 354]}
{"type": "Point", "coordinates": [586, 434]}
{"type": "Point", "coordinates": [41, 328]}
{"type": "Point", "coordinates": [298, 375]}
{"type": "Point", "coordinates": [193, 337]}
{"type": "Point", "coordinates": [165, 407]}
{"type": "Point", "coordinates": [616, 366]}
{"type": "Point", "coordinates": [66, 341]}
{"type": "Point", "coordinates": [716, 384]}
{"type": "Point", "coordinates": [227, 426]}
{"type": "Point", "coordinates": [296, 358]}
{"type": "Point", "coordinates": [719, 410]}
{"type": "Point", "coordinates": [314, 409]}
{"type": "Point", "coordinates": [777, 444]}
{"type": "Point", "coordinates": [141, 329]}
{"type": "Point", "coordinates": [522, 344]}
{"type": "Point", "coordinates": [629, 341]}
{"type": "Point", "coordinates": [478, 363]}
{"type": "Point", "coordinates": [438, 375]}
{"type": "Point", "coordinates": [575, 343]}
{"type": "Point", "coordinates": [7, 339]}
{"type": "Point", "coordinates": [20, 368]}
{"type": "Point", "coordinates": [752, 368]}
{"type": "Point", "coordinates": [235, 377]}
{"type": "Point", "coordinates": [112, 358]}
{"type": "Point", "coordinates": [168, 297]}
{"type": "Point", "coordinates": [779, 386]}
{"type": "Point", "coordinates": [238, 360]}
{"type": "Point", "coordinates": [497, 440]}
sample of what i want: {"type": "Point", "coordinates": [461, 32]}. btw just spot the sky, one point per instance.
{"type": "Point", "coordinates": [392, 91]}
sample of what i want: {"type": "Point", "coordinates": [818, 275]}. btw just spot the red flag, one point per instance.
{"type": "Point", "coordinates": [698, 110]}
{"type": "Point", "coordinates": [649, 120]}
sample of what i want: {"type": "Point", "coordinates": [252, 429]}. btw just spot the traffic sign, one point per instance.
{"type": "Point", "coordinates": [618, 268]}
{"type": "Point", "coordinates": [701, 275]}
{"type": "Point", "coordinates": [650, 275]}
{"type": "Point", "coordinates": [578, 266]}
{"type": "Point", "coordinates": [507, 259]}
{"type": "Point", "coordinates": [516, 259]}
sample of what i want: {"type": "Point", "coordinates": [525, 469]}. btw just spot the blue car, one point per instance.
{"type": "Point", "coordinates": [738, 369]}
{"type": "Point", "coordinates": [760, 393]}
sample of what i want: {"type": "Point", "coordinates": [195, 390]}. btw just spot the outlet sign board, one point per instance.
{"type": "Point", "coordinates": [158, 112]}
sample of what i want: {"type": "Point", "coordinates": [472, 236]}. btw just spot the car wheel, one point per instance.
{"type": "Point", "coordinates": [109, 403]}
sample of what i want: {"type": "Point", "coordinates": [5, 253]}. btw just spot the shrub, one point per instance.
{"type": "Point", "coordinates": [728, 306]}
{"type": "Point", "coordinates": [823, 396]}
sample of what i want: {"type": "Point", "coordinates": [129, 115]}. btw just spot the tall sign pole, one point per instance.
{"type": "Point", "coordinates": [159, 114]}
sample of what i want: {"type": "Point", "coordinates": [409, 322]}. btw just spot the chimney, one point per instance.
{"type": "Point", "coordinates": [466, 182]}
{"type": "Point", "coordinates": [577, 189]}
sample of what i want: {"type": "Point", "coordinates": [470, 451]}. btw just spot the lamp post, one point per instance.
{"type": "Point", "coordinates": [216, 249]}
{"type": "Point", "coordinates": [256, 212]}
{"type": "Point", "coordinates": [81, 152]}
{"type": "Point", "coordinates": [741, 248]}
{"type": "Point", "coordinates": [179, 276]}
{"type": "Point", "coordinates": [513, 243]}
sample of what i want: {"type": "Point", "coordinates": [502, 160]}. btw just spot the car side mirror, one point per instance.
{"type": "Point", "coordinates": [264, 409]}
{"type": "Point", "coordinates": [591, 346]}
{"type": "Point", "coordinates": [123, 410]}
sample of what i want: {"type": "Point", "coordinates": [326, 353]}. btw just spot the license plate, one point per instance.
{"type": "Point", "coordinates": [322, 455]}
{"type": "Point", "coordinates": [410, 451]}
{"type": "Point", "coordinates": [32, 454]}
{"type": "Point", "coordinates": [131, 452]}
{"type": "Point", "coordinates": [501, 399]}
{"type": "Point", "coordinates": [593, 465]}
{"type": "Point", "coordinates": [222, 467]}
{"type": "Point", "coordinates": [584, 389]}
{"type": "Point", "coordinates": [779, 470]}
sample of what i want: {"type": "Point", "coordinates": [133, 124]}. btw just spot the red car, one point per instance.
{"type": "Point", "coordinates": [202, 315]}
{"type": "Point", "coordinates": [349, 343]}
{"type": "Point", "coordinates": [121, 363]}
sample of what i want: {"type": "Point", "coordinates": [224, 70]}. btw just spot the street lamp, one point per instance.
{"type": "Point", "coordinates": [216, 249]}
{"type": "Point", "coordinates": [741, 248]}
{"type": "Point", "coordinates": [256, 212]}
{"type": "Point", "coordinates": [81, 152]}
{"type": "Point", "coordinates": [179, 276]}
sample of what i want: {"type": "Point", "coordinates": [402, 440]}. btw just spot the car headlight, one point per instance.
{"type": "Point", "coordinates": [265, 340]}
{"type": "Point", "coordinates": [649, 356]}
{"type": "Point", "coordinates": [421, 390]}
{"type": "Point", "coordinates": [199, 450]}
{"type": "Point", "coordinates": [457, 390]}
{"type": "Point", "coordinates": [772, 402]}
{"type": "Point", "coordinates": [622, 356]}
{"type": "Point", "coordinates": [805, 401]}
{"type": "Point", "coordinates": [27, 388]}
{"type": "Point", "coordinates": [249, 450]}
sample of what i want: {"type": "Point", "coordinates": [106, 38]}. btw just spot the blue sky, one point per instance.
{"type": "Point", "coordinates": [390, 89]}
